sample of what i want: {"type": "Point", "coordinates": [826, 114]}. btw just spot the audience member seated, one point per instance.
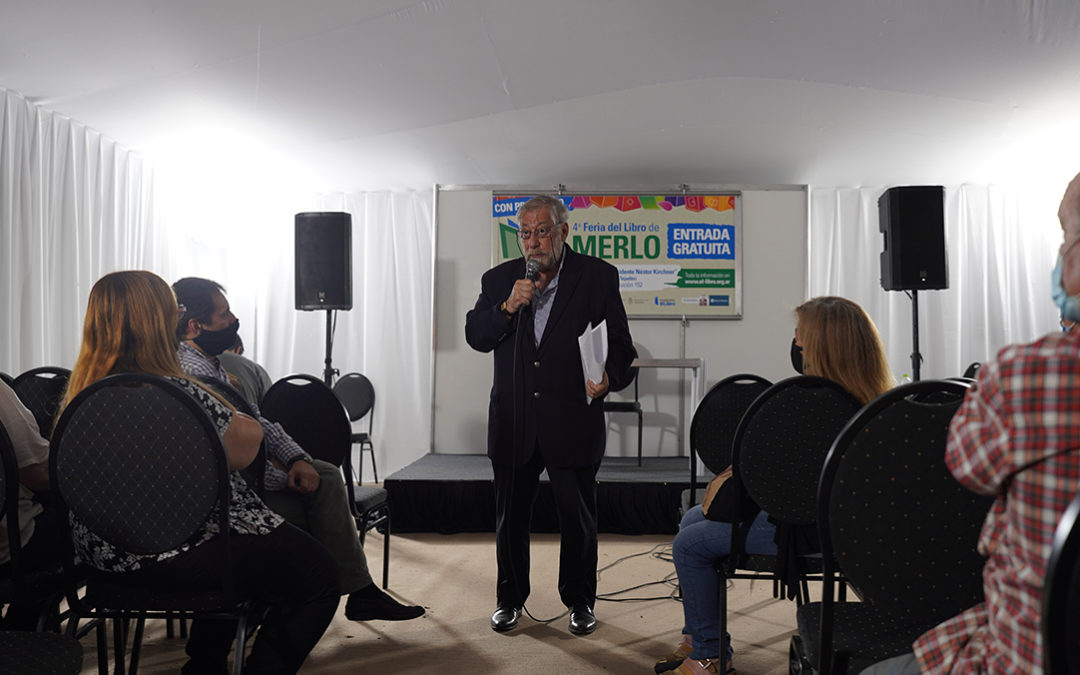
{"type": "Point", "coordinates": [42, 536]}
{"type": "Point", "coordinates": [1015, 437]}
{"type": "Point", "coordinates": [129, 327]}
{"type": "Point", "coordinates": [249, 377]}
{"type": "Point", "coordinates": [309, 493]}
{"type": "Point", "coordinates": [834, 339]}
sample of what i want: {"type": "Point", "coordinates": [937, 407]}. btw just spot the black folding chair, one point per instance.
{"type": "Point", "coordinates": [1061, 597]}
{"type": "Point", "coordinates": [137, 461]}
{"type": "Point", "coordinates": [779, 448]}
{"type": "Point", "coordinates": [632, 406]}
{"type": "Point", "coordinates": [357, 394]}
{"type": "Point", "coordinates": [314, 417]}
{"type": "Point", "coordinates": [717, 417]}
{"type": "Point", "coordinates": [899, 528]}
{"type": "Point", "coordinates": [23, 653]}
{"type": "Point", "coordinates": [41, 390]}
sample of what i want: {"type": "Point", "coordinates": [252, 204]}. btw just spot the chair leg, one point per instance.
{"type": "Point", "coordinates": [374, 470]}
{"type": "Point", "coordinates": [238, 650]}
{"type": "Point", "coordinates": [639, 438]}
{"type": "Point", "coordinates": [102, 647]}
{"type": "Point", "coordinates": [721, 594]}
{"type": "Point", "coordinates": [136, 644]}
{"type": "Point", "coordinates": [119, 644]}
{"type": "Point", "coordinates": [385, 548]}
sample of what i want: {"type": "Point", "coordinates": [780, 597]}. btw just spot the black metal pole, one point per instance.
{"type": "Point", "coordinates": [328, 372]}
{"type": "Point", "coordinates": [916, 357]}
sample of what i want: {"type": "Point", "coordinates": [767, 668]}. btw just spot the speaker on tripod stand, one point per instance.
{"type": "Point", "coordinates": [323, 259]}
{"type": "Point", "coordinates": [912, 218]}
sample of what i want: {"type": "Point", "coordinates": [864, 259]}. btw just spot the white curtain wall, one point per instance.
{"type": "Point", "coordinates": [387, 334]}
{"type": "Point", "coordinates": [73, 206]}
{"type": "Point", "coordinates": [999, 266]}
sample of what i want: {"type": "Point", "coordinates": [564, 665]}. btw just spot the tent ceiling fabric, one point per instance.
{"type": "Point", "coordinates": [400, 93]}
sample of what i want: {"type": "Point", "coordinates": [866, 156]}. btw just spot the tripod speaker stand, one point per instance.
{"type": "Point", "coordinates": [323, 257]}
{"type": "Point", "coordinates": [913, 258]}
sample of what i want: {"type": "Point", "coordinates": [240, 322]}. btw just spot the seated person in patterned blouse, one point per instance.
{"type": "Point", "coordinates": [309, 493]}
{"type": "Point", "coordinates": [129, 328]}
{"type": "Point", "coordinates": [835, 339]}
{"type": "Point", "coordinates": [1016, 436]}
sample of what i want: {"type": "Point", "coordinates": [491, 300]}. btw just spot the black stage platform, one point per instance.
{"type": "Point", "coordinates": [454, 493]}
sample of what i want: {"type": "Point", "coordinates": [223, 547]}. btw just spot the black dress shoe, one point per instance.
{"type": "Point", "coordinates": [371, 604]}
{"type": "Point", "coordinates": [582, 620]}
{"type": "Point", "coordinates": [505, 618]}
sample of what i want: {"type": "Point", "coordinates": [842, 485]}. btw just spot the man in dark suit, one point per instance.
{"type": "Point", "coordinates": [539, 416]}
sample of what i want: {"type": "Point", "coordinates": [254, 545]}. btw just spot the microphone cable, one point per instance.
{"type": "Point", "coordinates": [532, 271]}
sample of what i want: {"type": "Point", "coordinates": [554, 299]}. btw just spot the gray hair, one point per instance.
{"type": "Point", "coordinates": [559, 213]}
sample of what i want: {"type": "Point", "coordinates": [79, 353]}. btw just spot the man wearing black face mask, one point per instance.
{"type": "Point", "coordinates": [309, 493]}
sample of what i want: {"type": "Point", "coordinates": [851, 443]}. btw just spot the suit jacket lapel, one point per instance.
{"type": "Point", "coordinates": [568, 283]}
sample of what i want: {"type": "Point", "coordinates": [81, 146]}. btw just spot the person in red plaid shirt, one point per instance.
{"type": "Point", "coordinates": [1016, 436]}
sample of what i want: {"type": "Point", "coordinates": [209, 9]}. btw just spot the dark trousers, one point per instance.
{"type": "Point", "coordinates": [286, 569]}
{"type": "Point", "coordinates": [44, 550]}
{"type": "Point", "coordinates": [574, 490]}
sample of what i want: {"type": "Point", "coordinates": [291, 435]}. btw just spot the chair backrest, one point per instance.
{"type": "Point", "coordinates": [357, 394]}
{"type": "Point", "coordinates": [782, 442]}
{"type": "Point", "coordinates": [1061, 597]}
{"type": "Point", "coordinates": [972, 370]}
{"type": "Point", "coordinates": [254, 473]}
{"type": "Point", "coordinates": [900, 527]}
{"type": "Point", "coordinates": [138, 462]}
{"type": "Point", "coordinates": [717, 417]}
{"type": "Point", "coordinates": [309, 411]}
{"type": "Point", "coordinates": [41, 390]}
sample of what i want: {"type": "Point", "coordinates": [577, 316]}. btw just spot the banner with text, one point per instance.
{"type": "Point", "coordinates": [678, 255]}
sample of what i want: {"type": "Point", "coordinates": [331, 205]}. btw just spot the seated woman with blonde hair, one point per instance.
{"type": "Point", "coordinates": [129, 328]}
{"type": "Point", "coordinates": [834, 339]}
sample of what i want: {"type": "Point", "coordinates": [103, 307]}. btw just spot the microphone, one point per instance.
{"type": "Point", "coordinates": [532, 270]}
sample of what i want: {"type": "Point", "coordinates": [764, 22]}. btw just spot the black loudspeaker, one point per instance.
{"type": "Point", "coordinates": [913, 221]}
{"type": "Point", "coordinates": [323, 260]}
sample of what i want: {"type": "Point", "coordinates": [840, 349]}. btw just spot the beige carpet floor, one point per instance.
{"type": "Point", "coordinates": [453, 577]}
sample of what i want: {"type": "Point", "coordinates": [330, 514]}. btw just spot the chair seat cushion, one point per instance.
{"type": "Point", "coordinates": [622, 406]}
{"type": "Point", "coordinates": [25, 652]}
{"type": "Point", "coordinates": [111, 595]}
{"type": "Point", "coordinates": [863, 634]}
{"type": "Point", "coordinates": [369, 497]}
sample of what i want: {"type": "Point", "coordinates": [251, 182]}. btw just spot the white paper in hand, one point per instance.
{"type": "Point", "coordinates": [593, 344]}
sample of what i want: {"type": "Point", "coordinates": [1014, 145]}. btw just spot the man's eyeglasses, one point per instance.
{"type": "Point", "coordinates": [539, 233]}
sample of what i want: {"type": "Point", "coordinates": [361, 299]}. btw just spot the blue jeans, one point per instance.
{"type": "Point", "coordinates": [696, 548]}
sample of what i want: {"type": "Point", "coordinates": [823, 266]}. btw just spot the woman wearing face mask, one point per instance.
{"type": "Point", "coordinates": [129, 328]}
{"type": "Point", "coordinates": [834, 339]}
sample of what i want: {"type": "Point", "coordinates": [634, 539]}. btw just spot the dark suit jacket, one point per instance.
{"type": "Point", "coordinates": [545, 389]}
